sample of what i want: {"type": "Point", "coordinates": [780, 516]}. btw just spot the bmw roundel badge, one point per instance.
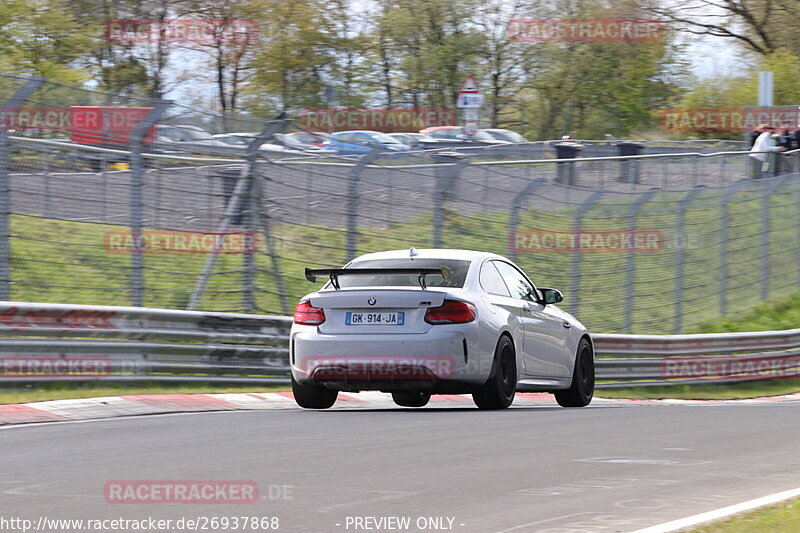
{"type": "Point", "coordinates": [372, 300]}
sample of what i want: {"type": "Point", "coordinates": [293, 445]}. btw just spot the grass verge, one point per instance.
{"type": "Point", "coordinates": [721, 391]}
{"type": "Point", "coordinates": [783, 517]}
{"type": "Point", "coordinates": [64, 391]}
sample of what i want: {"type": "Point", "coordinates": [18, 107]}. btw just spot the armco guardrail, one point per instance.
{"type": "Point", "coordinates": [49, 342]}
{"type": "Point", "coordinates": [53, 342]}
{"type": "Point", "coordinates": [645, 360]}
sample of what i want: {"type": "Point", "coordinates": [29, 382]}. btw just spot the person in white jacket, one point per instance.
{"type": "Point", "coordinates": [760, 152]}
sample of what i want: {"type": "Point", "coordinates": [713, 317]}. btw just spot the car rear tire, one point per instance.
{"type": "Point", "coordinates": [313, 396]}
{"type": "Point", "coordinates": [411, 398]}
{"type": "Point", "coordinates": [498, 391]}
{"type": "Point", "coordinates": [581, 391]}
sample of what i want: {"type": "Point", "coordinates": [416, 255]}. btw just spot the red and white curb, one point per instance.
{"type": "Point", "coordinates": [117, 406]}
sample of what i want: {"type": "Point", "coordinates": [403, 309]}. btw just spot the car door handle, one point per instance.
{"type": "Point", "coordinates": [567, 324]}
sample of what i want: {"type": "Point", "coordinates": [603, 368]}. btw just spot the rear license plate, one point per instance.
{"type": "Point", "coordinates": [374, 319]}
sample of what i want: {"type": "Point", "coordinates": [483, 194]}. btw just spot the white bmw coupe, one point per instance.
{"type": "Point", "coordinates": [421, 322]}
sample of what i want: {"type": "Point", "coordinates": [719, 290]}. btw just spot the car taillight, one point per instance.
{"type": "Point", "coordinates": [450, 312]}
{"type": "Point", "coordinates": [308, 315]}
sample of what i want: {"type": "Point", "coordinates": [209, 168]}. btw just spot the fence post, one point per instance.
{"type": "Point", "coordinates": [575, 277]}
{"type": "Point", "coordinates": [258, 197]}
{"type": "Point", "coordinates": [137, 198]}
{"type": "Point", "coordinates": [249, 220]}
{"type": "Point", "coordinates": [631, 264]}
{"type": "Point", "coordinates": [723, 246]}
{"type": "Point", "coordinates": [14, 102]}
{"type": "Point", "coordinates": [446, 175]}
{"type": "Point", "coordinates": [513, 219]}
{"type": "Point", "coordinates": [679, 230]}
{"type": "Point", "coordinates": [353, 197]}
{"type": "Point", "coordinates": [232, 208]}
{"type": "Point", "coordinates": [765, 229]}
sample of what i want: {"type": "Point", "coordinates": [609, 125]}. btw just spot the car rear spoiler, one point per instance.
{"type": "Point", "coordinates": [334, 273]}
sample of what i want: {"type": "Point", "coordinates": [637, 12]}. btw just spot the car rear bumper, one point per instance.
{"type": "Point", "coordinates": [387, 361]}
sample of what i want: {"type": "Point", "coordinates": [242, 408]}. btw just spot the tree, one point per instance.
{"type": "Point", "coordinates": [40, 37]}
{"type": "Point", "coordinates": [504, 62]}
{"type": "Point", "coordinates": [293, 57]}
{"type": "Point", "coordinates": [593, 88]}
{"type": "Point", "coordinates": [233, 39]}
{"type": "Point", "coordinates": [762, 26]}
{"type": "Point", "coordinates": [435, 43]}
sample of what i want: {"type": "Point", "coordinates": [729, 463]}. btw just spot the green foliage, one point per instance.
{"type": "Point", "coordinates": [775, 315]}
{"type": "Point", "coordinates": [42, 38]}
{"type": "Point", "coordinates": [782, 517]}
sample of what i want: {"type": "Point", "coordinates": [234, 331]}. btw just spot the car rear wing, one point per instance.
{"type": "Point", "coordinates": [333, 273]}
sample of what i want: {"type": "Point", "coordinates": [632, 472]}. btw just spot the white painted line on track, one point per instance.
{"type": "Point", "coordinates": [724, 512]}
{"type": "Point", "coordinates": [9, 427]}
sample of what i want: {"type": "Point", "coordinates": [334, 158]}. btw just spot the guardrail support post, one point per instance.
{"type": "Point", "coordinates": [679, 231]}
{"type": "Point", "coordinates": [631, 265]}
{"type": "Point", "coordinates": [575, 276]}
{"type": "Point", "coordinates": [517, 204]}
{"type": "Point", "coordinates": [14, 102]}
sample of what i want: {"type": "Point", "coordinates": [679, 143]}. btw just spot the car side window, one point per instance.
{"type": "Point", "coordinates": [491, 281]}
{"type": "Point", "coordinates": [516, 282]}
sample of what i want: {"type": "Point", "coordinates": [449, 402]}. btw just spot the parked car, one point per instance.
{"type": "Point", "coordinates": [294, 141]}
{"type": "Point", "coordinates": [182, 133]}
{"type": "Point", "coordinates": [421, 322]}
{"type": "Point", "coordinates": [314, 138]}
{"type": "Point", "coordinates": [242, 140]}
{"type": "Point", "coordinates": [416, 141]}
{"type": "Point", "coordinates": [506, 135]}
{"type": "Point", "coordinates": [360, 142]}
{"type": "Point", "coordinates": [456, 133]}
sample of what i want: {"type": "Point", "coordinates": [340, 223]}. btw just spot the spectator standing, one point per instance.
{"type": "Point", "coordinates": [760, 152]}
{"type": "Point", "coordinates": [758, 130]}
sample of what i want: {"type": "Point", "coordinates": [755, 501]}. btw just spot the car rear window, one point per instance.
{"type": "Point", "coordinates": [458, 267]}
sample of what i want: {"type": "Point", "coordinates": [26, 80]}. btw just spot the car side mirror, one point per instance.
{"type": "Point", "coordinates": [551, 296]}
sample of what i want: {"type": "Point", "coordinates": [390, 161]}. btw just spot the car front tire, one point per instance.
{"type": "Point", "coordinates": [498, 391]}
{"type": "Point", "coordinates": [313, 396]}
{"type": "Point", "coordinates": [581, 391]}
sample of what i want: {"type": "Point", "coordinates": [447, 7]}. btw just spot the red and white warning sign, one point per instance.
{"type": "Point", "coordinates": [469, 96]}
{"type": "Point", "coordinates": [469, 85]}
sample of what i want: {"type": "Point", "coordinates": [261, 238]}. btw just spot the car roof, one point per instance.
{"type": "Point", "coordinates": [356, 131]}
{"type": "Point", "coordinates": [439, 128]}
{"type": "Point", "coordinates": [430, 253]}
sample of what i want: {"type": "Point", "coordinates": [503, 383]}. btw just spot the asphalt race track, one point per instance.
{"type": "Point", "coordinates": [614, 466]}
